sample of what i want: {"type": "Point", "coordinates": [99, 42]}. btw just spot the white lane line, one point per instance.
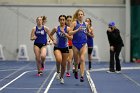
{"type": "Point", "coordinates": [2, 70]}
{"type": "Point", "coordinates": [13, 80]}
{"type": "Point", "coordinates": [46, 90]}
{"type": "Point", "coordinates": [123, 68]}
{"type": "Point", "coordinates": [41, 87]}
{"type": "Point", "coordinates": [12, 88]}
{"type": "Point", "coordinates": [130, 68]}
{"type": "Point", "coordinates": [69, 88]}
{"type": "Point", "coordinates": [14, 72]}
{"type": "Point", "coordinates": [98, 69]}
{"type": "Point", "coordinates": [129, 78]}
{"type": "Point", "coordinates": [7, 70]}
{"type": "Point", "coordinates": [92, 85]}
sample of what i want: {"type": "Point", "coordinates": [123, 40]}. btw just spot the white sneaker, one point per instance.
{"type": "Point", "coordinates": [58, 76]}
{"type": "Point", "coordinates": [62, 81]}
{"type": "Point", "coordinates": [118, 71]}
{"type": "Point", "coordinates": [110, 71]}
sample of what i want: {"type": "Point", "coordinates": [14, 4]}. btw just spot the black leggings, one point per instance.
{"type": "Point", "coordinates": [116, 53]}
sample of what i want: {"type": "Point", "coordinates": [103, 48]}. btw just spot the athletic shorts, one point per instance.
{"type": "Point", "coordinates": [70, 47]}
{"type": "Point", "coordinates": [63, 50]}
{"type": "Point", "coordinates": [39, 45]}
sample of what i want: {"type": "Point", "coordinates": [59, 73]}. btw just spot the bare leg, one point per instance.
{"type": "Point", "coordinates": [43, 56]}
{"type": "Point", "coordinates": [83, 52]}
{"type": "Point", "coordinates": [38, 60]}
{"type": "Point", "coordinates": [63, 64]}
{"type": "Point", "coordinates": [58, 57]}
{"type": "Point", "coordinates": [70, 57]}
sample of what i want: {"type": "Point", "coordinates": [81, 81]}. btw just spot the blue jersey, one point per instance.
{"type": "Point", "coordinates": [80, 37]}
{"type": "Point", "coordinates": [62, 40]}
{"type": "Point", "coordinates": [89, 41]}
{"type": "Point", "coordinates": [41, 36]}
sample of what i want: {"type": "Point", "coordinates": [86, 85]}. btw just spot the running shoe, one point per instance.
{"type": "Point", "coordinates": [67, 74]}
{"type": "Point", "coordinates": [58, 76]}
{"type": "Point", "coordinates": [118, 71]}
{"type": "Point", "coordinates": [76, 75]}
{"type": "Point", "coordinates": [39, 73]}
{"type": "Point", "coordinates": [82, 79]}
{"type": "Point", "coordinates": [110, 71]}
{"type": "Point", "coordinates": [62, 81]}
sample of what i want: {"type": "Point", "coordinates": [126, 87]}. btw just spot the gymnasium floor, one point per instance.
{"type": "Point", "coordinates": [20, 77]}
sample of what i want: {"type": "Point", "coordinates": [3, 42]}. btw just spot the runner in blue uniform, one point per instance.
{"type": "Point", "coordinates": [44, 20]}
{"type": "Point", "coordinates": [61, 50]}
{"type": "Point", "coordinates": [39, 36]}
{"type": "Point", "coordinates": [90, 42]}
{"type": "Point", "coordinates": [79, 42]}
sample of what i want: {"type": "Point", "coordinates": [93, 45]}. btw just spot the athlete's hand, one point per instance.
{"type": "Point", "coordinates": [54, 42]}
{"type": "Point", "coordinates": [80, 28]}
{"type": "Point", "coordinates": [112, 48]}
{"type": "Point", "coordinates": [63, 32]}
{"type": "Point", "coordinates": [49, 42]}
{"type": "Point", "coordinates": [34, 37]}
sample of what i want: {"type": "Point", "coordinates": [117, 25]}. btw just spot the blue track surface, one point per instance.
{"type": "Point", "coordinates": [71, 85]}
{"type": "Point", "coordinates": [20, 77]}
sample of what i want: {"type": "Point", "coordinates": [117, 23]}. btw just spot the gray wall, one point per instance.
{"type": "Point", "coordinates": [62, 1]}
{"type": "Point", "coordinates": [16, 23]}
